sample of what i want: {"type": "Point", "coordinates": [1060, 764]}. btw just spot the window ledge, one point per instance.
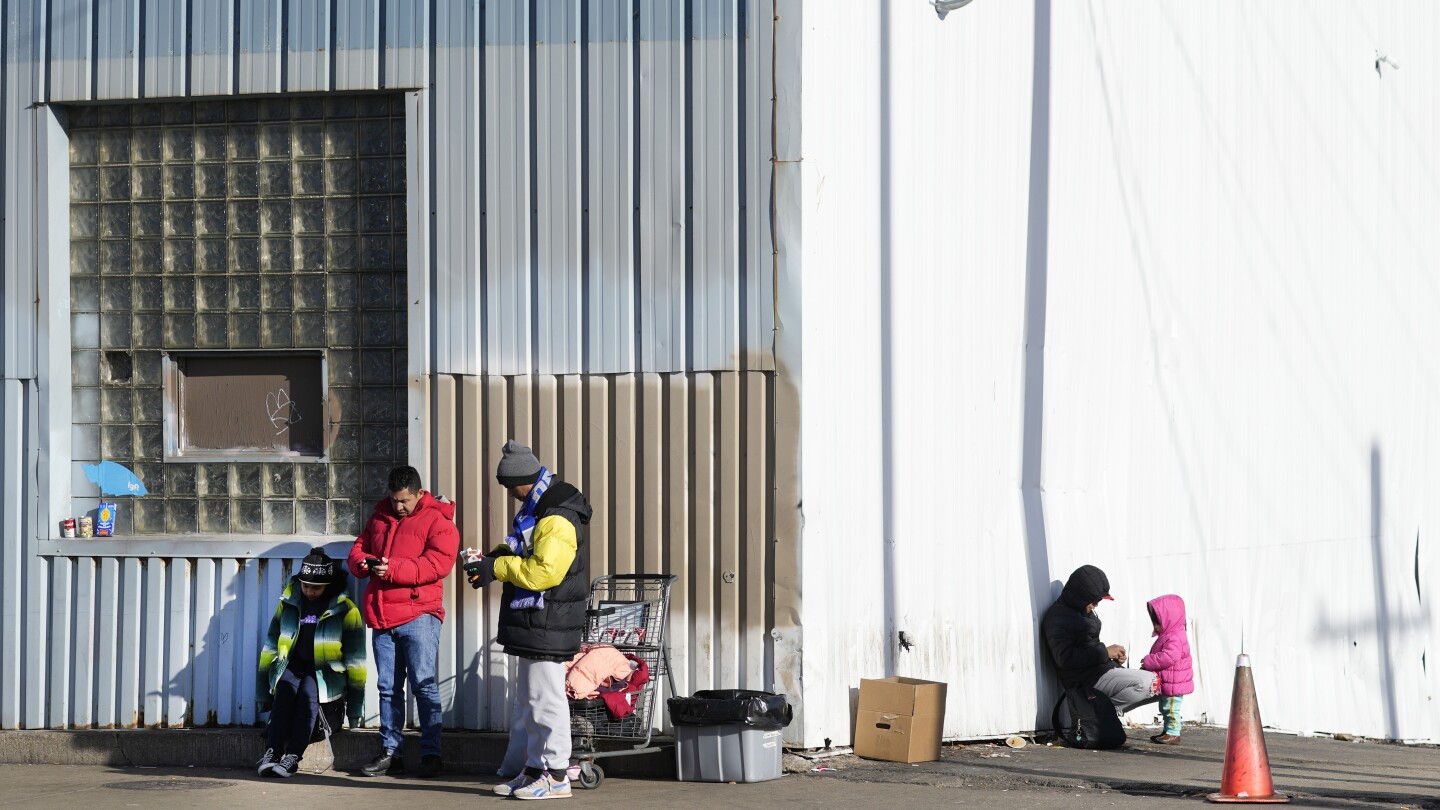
{"type": "Point", "coordinates": [218, 546]}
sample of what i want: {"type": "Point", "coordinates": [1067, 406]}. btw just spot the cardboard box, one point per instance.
{"type": "Point", "coordinates": [900, 719]}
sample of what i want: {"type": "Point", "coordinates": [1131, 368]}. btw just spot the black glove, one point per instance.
{"type": "Point", "coordinates": [481, 572]}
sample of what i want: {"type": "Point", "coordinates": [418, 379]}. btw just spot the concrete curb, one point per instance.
{"type": "Point", "coordinates": [464, 752]}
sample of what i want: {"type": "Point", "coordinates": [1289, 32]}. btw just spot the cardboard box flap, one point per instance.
{"type": "Point", "coordinates": [909, 696]}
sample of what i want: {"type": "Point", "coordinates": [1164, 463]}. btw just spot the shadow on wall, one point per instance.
{"type": "Point", "coordinates": [1037, 552]}
{"type": "Point", "coordinates": [1387, 626]}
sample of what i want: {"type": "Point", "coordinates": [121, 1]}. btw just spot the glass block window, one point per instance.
{"type": "Point", "coordinates": [247, 226]}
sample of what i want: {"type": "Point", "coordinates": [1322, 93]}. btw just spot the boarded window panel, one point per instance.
{"type": "Point", "coordinates": [269, 404]}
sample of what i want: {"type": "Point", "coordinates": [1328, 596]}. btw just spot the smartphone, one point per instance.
{"type": "Point", "coordinates": [371, 562]}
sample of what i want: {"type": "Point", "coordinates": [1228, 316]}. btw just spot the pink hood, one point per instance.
{"type": "Point", "coordinates": [1170, 611]}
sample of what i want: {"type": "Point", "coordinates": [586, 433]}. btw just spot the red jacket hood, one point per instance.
{"type": "Point", "coordinates": [1169, 610]}
{"type": "Point", "coordinates": [387, 510]}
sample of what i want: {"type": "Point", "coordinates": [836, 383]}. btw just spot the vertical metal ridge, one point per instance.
{"type": "Point", "coordinates": [235, 9]}
{"type": "Point", "coordinates": [687, 129]}
{"type": "Point", "coordinates": [284, 23]}
{"type": "Point", "coordinates": [637, 312]}
{"type": "Point", "coordinates": [332, 33]}
{"type": "Point", "coordinates": [9, 313]}
{"type": "Point", "coordinates": [381, 31]}
{"type": "Point", "coordinates": [188, 47]}
{"type": "Point", "coordinates": [583, 167]}
{"type": "Point", "coordinates": [94, 47]}
{"type": "Point", "coordinates": [43, 63]}
{"type": "Point", "coordinates": [742, 173]}
{"type": "Point", "coordinates": [532, 212]}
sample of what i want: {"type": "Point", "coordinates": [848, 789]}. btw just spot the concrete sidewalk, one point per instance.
{"type": "Point", "coordinates": [1313, 770]}
{"type": "Point", "coordinates": [1317, 772]}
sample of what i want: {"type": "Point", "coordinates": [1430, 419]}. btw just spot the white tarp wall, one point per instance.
{"type": "Point", "coordinates": [1149, 286]}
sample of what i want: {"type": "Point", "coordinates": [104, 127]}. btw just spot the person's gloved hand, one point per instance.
{"type": "Point", "coordinates": [480, 572]}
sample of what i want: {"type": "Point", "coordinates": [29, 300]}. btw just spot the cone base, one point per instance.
{"type": "Point", "coordinates": [1221, 798]}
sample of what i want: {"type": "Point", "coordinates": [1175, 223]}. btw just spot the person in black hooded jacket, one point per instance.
{"type": "Point", "coordinates": [542, 613]}
{"type": "Point", "coordinates": [1072, 633]}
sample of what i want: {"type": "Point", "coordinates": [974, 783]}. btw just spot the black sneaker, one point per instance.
{"type": "Point", "coordinates": [286, 767]}
{"type": "Point", "coordinates": [386, 763]}
{"type": "Point", "coordinates": [267, 761]}
{"type": "Point", "coordinates": [430, 765]}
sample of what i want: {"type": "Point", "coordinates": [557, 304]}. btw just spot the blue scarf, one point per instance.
{"type": "Point", "coordinates": [522, 543]}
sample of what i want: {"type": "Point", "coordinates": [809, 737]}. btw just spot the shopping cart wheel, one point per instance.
{"type": "Point", "coordinates": [591, 775]}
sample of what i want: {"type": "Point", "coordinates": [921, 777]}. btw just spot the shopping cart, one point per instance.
{"type": "Point", "coordinates": [631, 613]}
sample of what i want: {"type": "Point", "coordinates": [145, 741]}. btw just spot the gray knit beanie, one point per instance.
{"type": "Point", "coordinates": [518, 466]}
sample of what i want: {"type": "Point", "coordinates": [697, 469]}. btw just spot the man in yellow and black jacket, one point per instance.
{"type": "Point", "coordinates": [542, 564]}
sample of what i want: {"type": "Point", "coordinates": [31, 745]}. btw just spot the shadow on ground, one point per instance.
{"type": "Point", "coordinates": [1321, 771]}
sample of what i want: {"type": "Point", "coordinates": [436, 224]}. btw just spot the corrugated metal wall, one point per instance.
{"type": "Point", "coordinates": [597, 173]}
{"type": "Point", "coordinates": [679, 468]}
{"type": "Point", "coordinates": [591, 270]}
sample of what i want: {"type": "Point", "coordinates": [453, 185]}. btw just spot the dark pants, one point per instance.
{"type": "Point", "coordinates": [292, 719]}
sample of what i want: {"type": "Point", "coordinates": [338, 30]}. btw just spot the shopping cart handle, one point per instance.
{"type": "Point", "coordinates": [595, 613]}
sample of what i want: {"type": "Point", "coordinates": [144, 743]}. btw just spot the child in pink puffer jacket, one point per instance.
{"type": "Point", "coordinates": [1169, 658]}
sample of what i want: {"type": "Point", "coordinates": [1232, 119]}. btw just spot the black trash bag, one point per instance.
{"type": "Point", "coordinates": [731, 707]}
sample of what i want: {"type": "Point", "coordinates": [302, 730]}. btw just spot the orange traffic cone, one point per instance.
{"type": "Point", "coordinates": [1247, 765]}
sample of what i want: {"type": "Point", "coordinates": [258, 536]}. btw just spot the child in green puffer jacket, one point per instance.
{"type": "Point", "coordinates": [314, 654]}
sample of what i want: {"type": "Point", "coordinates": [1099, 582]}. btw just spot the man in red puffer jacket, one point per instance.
{"type": "Point", "coordinates": [408, 547]}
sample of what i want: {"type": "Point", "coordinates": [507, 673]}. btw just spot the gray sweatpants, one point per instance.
{"type": "Point", "coordinates": [1128, 687]}
{"type": "Point", "coordinates": [545, 721]}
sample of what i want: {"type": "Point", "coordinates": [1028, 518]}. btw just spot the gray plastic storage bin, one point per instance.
{"type": "Point", "coordinates": [730, 753]}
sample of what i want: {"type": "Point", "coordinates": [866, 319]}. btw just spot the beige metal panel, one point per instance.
{"type": "Point", "coordinates": [677, 469]}
{"type": "Point", "coordinates": [755, 538]}
{"type": "Point", "coordinates": [547, 423]}
{"type": "Point", "coordinates": [445, 477]}
{"type": "Point", "coordinates": [443, 480]}
{"type": "Point", "coordinates": [497, 419]}
{"type": "Point", "coordinates": [496, 665]}
{"type": "Point", "coordinates": [678, 444]}
{"type": "Point", "coordinates": [732, 630]}
{"type": "Point", "coordinates": [652, 483]}
{"type": "Point", "coordinates": [702, 573]}
{"type": "Point", "coordinates": [598, 470]}
{"type": "Point", "coordinates": [621, 505]}
{"type": "Point", "coordinates": [572, 432]}
{"type": "Point", "coordinates": [469, 612]}
{"type": "Point", "coordinates": [471, 478]}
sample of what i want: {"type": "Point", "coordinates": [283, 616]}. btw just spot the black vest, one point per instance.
{"type": "Point", "coordinates": [554, 633]}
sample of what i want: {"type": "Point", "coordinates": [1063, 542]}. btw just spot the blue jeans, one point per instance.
{"type": "Point", "coordinates": [411, 648]}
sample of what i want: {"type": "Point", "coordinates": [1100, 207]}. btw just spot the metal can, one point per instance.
{"type": "Point", "coordinates": [67, 527]}
{"type": "Point", "coordinates": [87, 526]}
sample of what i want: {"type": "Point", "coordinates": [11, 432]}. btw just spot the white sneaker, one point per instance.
{"type": "Point", "coordinates": [506, 788]}
{"type": "Point", "coordinates": [544, 788]}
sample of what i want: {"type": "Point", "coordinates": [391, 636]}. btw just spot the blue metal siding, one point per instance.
{"type": "Point", "coordinates": [587, 176]}
{"type": "Point", "coordinates": [117, 50]}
